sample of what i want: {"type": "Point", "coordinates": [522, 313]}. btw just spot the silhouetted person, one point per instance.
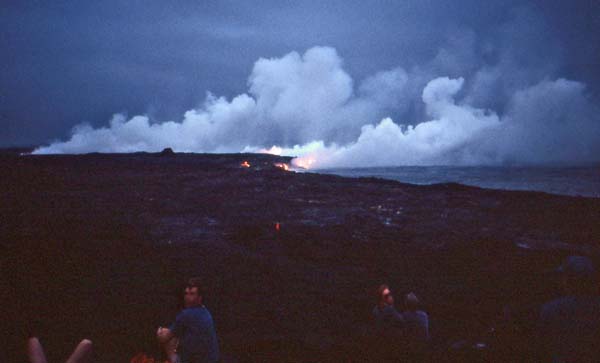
{"type": "Point", "coordinates": [416, 321]}
{"type": "Point", "coordinates": [569, 327]}
{"type": "Point", "coordinates": [387, 318]}
{"type": "Point", "coordinates": [416, 328]}
{"type": "Point", "coordinates": [81, 354]}
{"type": "Point", "coordinates": [192, 337]}
{"type": "Point", "coordinates": [389, 325]}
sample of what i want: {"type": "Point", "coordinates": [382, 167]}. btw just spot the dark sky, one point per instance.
{"type": "Point", "coordinates": [67, 62]}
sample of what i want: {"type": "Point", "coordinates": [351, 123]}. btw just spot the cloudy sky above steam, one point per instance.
{"type": "Point", "coordinates": [364, 84]}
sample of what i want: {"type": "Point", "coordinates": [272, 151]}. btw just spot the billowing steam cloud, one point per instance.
{"type": "Point", "coordinates": [308, 106]}
{"type": "Point", "coordinates": [552, 121]}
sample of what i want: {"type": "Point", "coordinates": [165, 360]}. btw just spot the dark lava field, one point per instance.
{"type": "Point", "coordinates": [98, 246]}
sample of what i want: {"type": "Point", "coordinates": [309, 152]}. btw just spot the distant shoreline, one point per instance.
{"type": "Point", "coordinates": [558, 179]}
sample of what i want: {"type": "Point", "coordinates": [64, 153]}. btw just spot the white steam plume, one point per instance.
{"type": "Point", "coordinates": [308, 106]}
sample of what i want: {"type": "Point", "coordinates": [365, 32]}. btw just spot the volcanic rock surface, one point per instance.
{"type": "Point", "coordinates": [97, 246]}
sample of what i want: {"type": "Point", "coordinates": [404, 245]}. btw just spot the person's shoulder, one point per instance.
{"type": "Point", "coordinates": [183, 312]}
{"type": "Point", "coordinates": [187, 311]}
{"type": "Point", "coordinates": [383, 310]}
{"type": "Point", "coordinates": [389, 309]}
{"type": "Point", "coordinates": [202, 312]}
{"type": "Point", "coordinates": [196, 313]}
{"type": "Point", "coordinates": [205, 311]}
{"type": "Point", "coordinates": [422, 314]}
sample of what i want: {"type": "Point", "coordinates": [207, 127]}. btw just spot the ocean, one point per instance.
{"type": "Point", "coordinates": [574, 181]}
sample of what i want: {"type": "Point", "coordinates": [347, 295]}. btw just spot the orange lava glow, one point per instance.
{"type": "Point", "coordinates": [304, 162]}
{"type": "Point", "coordinates": [245, 164]}
{"type": "Point", "coordinates": [283, 166]}
{"type": "Point", "coordinates": [143, 358]}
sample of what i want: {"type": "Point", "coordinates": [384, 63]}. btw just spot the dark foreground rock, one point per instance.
{"type": "Point", "coordinates": [96, 246]}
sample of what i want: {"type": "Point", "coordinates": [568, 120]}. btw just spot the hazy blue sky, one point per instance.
{"type": "Point", "coordinates": [68, 62]}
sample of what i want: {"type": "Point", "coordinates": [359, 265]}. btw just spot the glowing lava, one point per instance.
{"type": "Point", "coordinates": [283, 166]}
{"type": "Point", "coordinates": [245, 164]}
{"type": "Point", "coordinates": [304, 162]}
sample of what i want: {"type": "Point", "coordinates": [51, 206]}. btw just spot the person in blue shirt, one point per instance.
{"type": "Point", "coordinates": [192, 337]}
